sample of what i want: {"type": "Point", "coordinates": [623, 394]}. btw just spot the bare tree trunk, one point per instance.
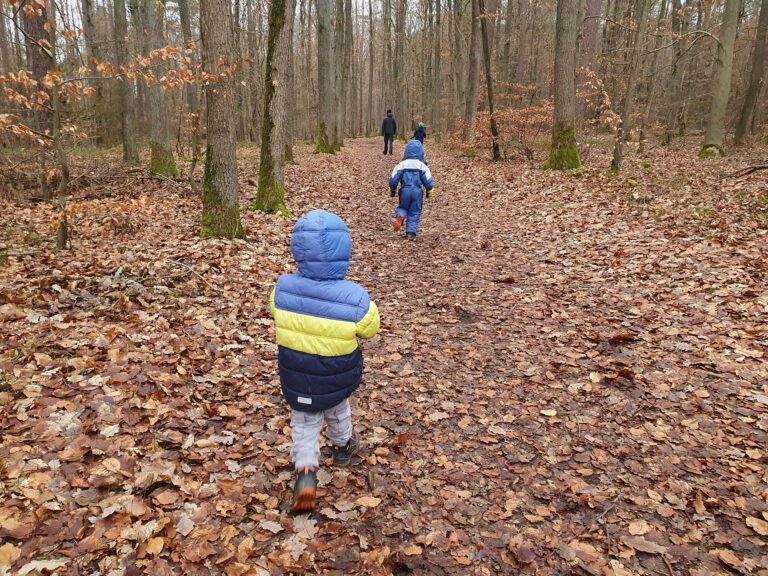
{"type": "Point", "coordinates": [326, 113]}
{"type": "Point", "coordinates": [125, 87]}
{"type": "Point", "coordinates": [162, 161]}
{"type": "Point", "coordinates": [676, 107]}
{"type": "Point", "coordinates": [93, 53]}
{"type": "Point", "coordinates": [458, 58]}
{"type": "Point", "coordinates": [369, 123]}
{"type": "Point", "coordinates": [221, 199]}
{"type": "Point", "coordinates": [629, 98]}
{"type": "Point", "coordinates": [756, 75]}
{"type": "Point", "coordinates": [437, 90]}
{"type": "Point", "coordinates": [714, 141]}
{"type": "Point", "coordinates": [193, 94]}
{"type": "Point", "coordinates": [341, 75]}
{"type": "Point", "coordinates": [253, 72]}
{"type": "Point", "coordinates": [591, 30]}
{"type": "Point", "coordinates": [473, 77]}
{"type": "Point", "coordinates": [489, 79]}
{"type": "Point", "coordinates": [400, 84]}
{"type": "Point", "coordinates": [6, 61]}
{"type": "Point", "coordinates": [271, 194]}
{"type": "Point", "coordinates": [563, 153]}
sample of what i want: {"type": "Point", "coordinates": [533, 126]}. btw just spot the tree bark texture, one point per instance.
{"type": "Point", "coordinates": [6, 60]}
{"type": "Point", "coordinates": [125, 87]}
{"type": "Point", "coordinates": [628, 104]}
{"type": "Point", "coordinates": [221, 200]}
{"type": "Point", "coordinates": [756, 75]}
{"type": "Point", "coordinates": [714, 141]}
{"type": "Point", "coordinates": [473, 76]}
{"type": "Point", "coordinates": [563, 152]}
{"type": "Point", "coordinates": [271, 193]}
{"type": "Point", "coordinates": [162, 161]}
{"type": "Point", "coordinates": [40, 56]}
{"type": "Point", "coordinates": [489, 79]}
{"type": "Point", "coordinates": [326, 113]}
{"type": "Point", "coordinates": [192, 89]}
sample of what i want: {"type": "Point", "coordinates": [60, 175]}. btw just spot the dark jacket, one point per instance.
{"type": "Point", "coordinates": [389, 126]}
{"type": "Point", "coordinates": [420, 134]}
{"type": "Point", "coordinates": [319, 316]}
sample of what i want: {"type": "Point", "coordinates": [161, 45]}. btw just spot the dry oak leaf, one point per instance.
{"type": "Point", "coordinates": [643, 545]}
{"type": "Point", "coordinates": [155, 545]}
{"type": "Point", "coordinates": [413, 550]}
{"type": "Point", "coordinates": [368, 501]}
{"type": "Point", "coordinates": [639, 527]}
{"type": "Point", "coordinates": [40, 565]}
{"type": "Point", "coordinates": [375, 557]}
{"type": "Point", "coordinates": [726, 557]}
{"type": "Point", "coordinates": [548, 412]}
{"type": "Point", "coordinates": [759, 526]}
{"type": "Point", "coordinates": [185, 525]}
{"type": "Point", "coordinates": [9, 554]}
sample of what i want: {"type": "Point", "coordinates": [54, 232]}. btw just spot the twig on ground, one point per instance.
{"type": "Point", "coordinates": [746, 171]}
{"type": "Point", "coordinates": [211, 286]}
{"type": "Point", "coordinates": [668, 565]}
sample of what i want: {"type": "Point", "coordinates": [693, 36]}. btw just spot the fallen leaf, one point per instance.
{"type": "Point", "coordinates": [759, 526]}
{"type": "Point", "coordinates": [368, 501]}
{"type": "Point", "coordinates": [727, 557]}
{"type": "Point", "coordinates": [185, 525]}
{"type": "Point", "coordinates": [643, 545]}
{"type": "Point", "coordinates": [40, 565]}
{"type": "Point", "coordinates": [413, 550]}
{"type": "Point", "coordinates": [155, 545]}
{"type": "Point", "coordinates": [548, 412]}
{"type": "Point", "coordinates": [9, 554]}
{"type": "Point", "coordinates": [639, 527]}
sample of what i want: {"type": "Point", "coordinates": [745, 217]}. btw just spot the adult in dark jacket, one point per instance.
{"type": "Point", "coordinates": [388, 130]}
{"type": "Point", "coordinates": [421, 133]}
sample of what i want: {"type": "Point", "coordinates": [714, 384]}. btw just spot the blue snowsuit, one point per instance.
{"type": "Point", "coordinates": [319, 316]}
{"type": "Point", "coordinates": [411, 174]}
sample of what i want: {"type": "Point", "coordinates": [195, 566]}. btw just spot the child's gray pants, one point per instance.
{"type": "Point", "coordinates": [305, 432]}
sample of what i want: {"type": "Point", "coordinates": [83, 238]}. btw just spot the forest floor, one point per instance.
{"type": "Point", "coordinates": [571, 376]}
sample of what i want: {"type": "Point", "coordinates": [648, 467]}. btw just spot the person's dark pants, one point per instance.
{"type": "Point", "coordinates": [388, 142]}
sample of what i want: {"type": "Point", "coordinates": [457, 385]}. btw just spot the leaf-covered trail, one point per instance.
{"type": "Point", "coordinates": [563, 384]}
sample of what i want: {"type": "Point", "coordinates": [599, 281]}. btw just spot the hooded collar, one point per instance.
{"type": "Point", "coordinates": [321, 246]}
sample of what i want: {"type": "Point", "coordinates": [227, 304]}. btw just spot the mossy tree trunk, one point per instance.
{"type": "Point", "coordinates": [714, 141]}
{"type": "Point", "coordinates": [162, 162]}
{"type": "Point", "coordinates": [271, 193]}
{"type": "Point", "coordinates": [564, 153]}
{"type": "Point", "coordinates": [326, 110]}
{"type": "Point", "coordinates": [221, 200]}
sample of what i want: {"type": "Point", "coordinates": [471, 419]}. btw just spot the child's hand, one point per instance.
{"type": "Point", "coordinates": [392, 192]}
{"type": "Point", "coordinates": [430, 192]}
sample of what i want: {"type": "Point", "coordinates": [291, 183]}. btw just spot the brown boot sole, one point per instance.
{"type": "Point", "coordinates": [305, 501]}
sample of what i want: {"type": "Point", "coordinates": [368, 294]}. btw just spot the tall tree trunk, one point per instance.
{"type": "Point", "coordinates": [628, 104]}
{"type": "Point", "coordinates": [400, 83]}
{"type": "Point", "coordinates": [254, 70]}
{"type": "Point", "coordinates": [473, 77]}
{"type": "Point", "coordinates": [271, 194]}
{"type": "Point", "coordinates": [326, 112]}
{"type": "Point", "coordinates": [588, 47]}
{"type": "Point", "coordinates": [6, 60]}
{"type": "Point", "coordinates": [221, 199]}
{"type": "Point", "coordinates": [714, 141]}
{"type": "Point", "coordinates": [756, 75]}
{"type": "Point", "coordinates": [125, 87]}
{"type": "Point", "coordinates": [93, 54]}
{"type": "Point", "coordinates": [489, 79]}
{"type": "Point", "coordinates": [193, 94]}
{"type": "Point", "coordinates": [563, 152]}
{"type": "Point", "coordinates": [341, 76]}
{"type": "Point", "coordinates": [162, 161]}
{"type": "Point", "coordinates": [386, 71]}
{"type": "Point", "coordinates": [370, 122]}
{"type": "Point", "coordinates": [676, 103]}
{"type": "Point", "coordinates": [458, 52]}
{"type": "Point", "coordinates": [437, 90]}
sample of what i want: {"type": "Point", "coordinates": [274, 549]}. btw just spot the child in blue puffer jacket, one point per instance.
{"type": "Point", "coordinates": [411, 174]}
{"type": "Point", "coordinates": [318, 318]}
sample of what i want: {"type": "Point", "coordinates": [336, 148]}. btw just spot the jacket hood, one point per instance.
{"type": "Point", "coordinates": [389, 114]}
{"type": "Point", "coordinates": [414, 149]}
{"type": "Point", "coordinates": [321, 246]}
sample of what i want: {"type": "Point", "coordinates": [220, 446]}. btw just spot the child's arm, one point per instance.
{"type": "Point", "coordinates": [272, 302]}
{"type": "Point", "coordinates": [394, 180]}
{"type": "Point", "coordinates": [370, 324]}
{"type": "Point", "coordinates": [426, 181]}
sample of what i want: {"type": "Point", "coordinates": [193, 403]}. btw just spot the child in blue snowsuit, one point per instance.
{"type": "Point", "coordinates": [318, 318]}
{"type": "Point", "coordinates": [411, 174]}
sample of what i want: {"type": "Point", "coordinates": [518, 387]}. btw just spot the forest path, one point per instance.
{"type": "Point", "coordinates": [565, 382]}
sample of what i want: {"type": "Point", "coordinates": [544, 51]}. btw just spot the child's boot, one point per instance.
{"type": "Point", "coordinates": [304, 491]}
{"type": "Point", "coordinates": [398, 223]}
{"type": "Point", "coordinates": [342, 455]}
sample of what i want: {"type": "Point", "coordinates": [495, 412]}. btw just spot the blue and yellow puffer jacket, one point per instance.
{"type": "Point", "coordinates": [319, 315]}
